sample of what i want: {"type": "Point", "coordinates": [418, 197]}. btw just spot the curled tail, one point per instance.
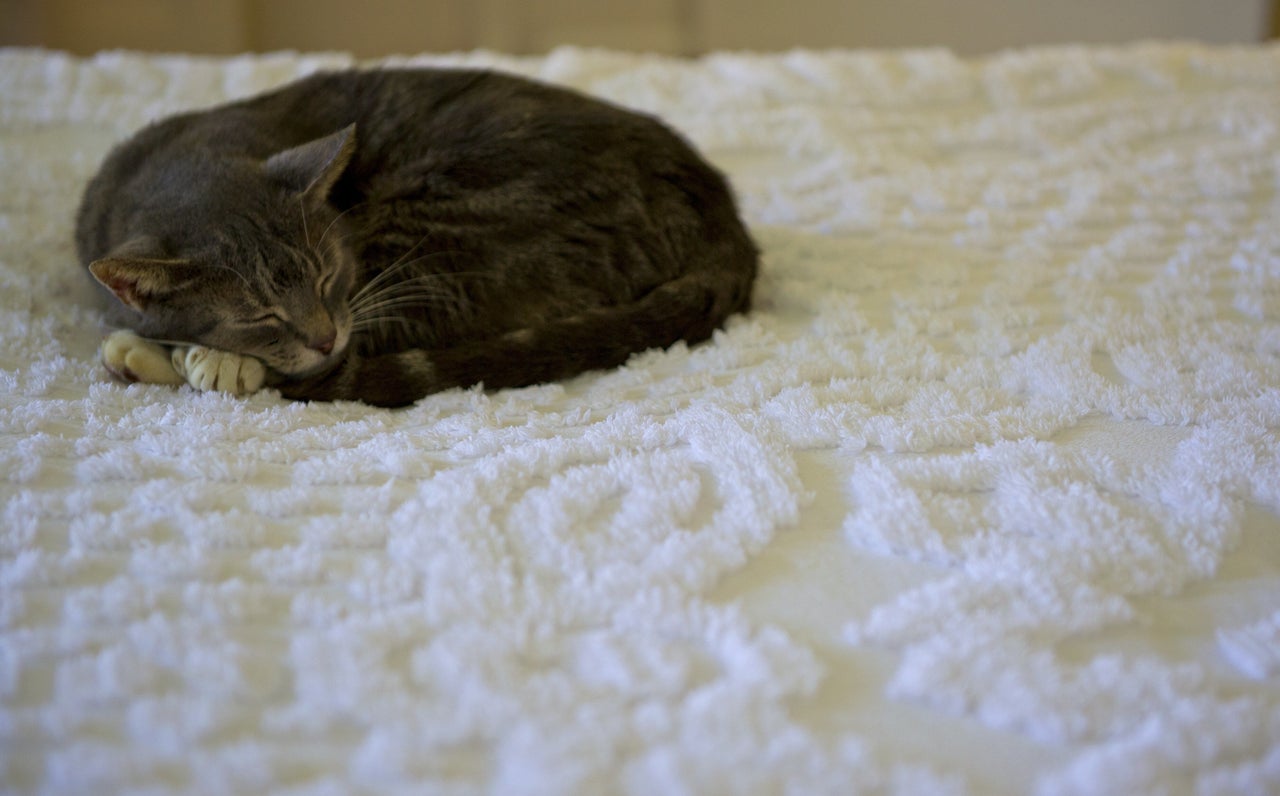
{"type": "Point", "coordinates": [688, 308]}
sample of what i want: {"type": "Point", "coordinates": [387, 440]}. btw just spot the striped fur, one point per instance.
{"type": "Point", "coordinates": [382, 235]}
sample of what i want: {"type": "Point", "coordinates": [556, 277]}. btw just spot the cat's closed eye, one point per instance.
{"type": "Point", "coordinates": [269, 317]}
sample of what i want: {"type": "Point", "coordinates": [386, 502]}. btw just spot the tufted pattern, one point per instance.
{"type": "Point", "coordinates": [981, 497]}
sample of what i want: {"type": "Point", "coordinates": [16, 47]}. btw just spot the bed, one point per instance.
{"type": "Point", "coordinates": [980, 497]}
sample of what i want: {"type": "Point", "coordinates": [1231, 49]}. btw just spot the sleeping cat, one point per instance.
{"type": "Point", "coordinates": [382, 235]}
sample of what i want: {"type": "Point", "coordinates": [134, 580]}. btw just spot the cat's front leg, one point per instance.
{"type": "Point", "coordinates": [131, 358]}
{"type": "Point", "coordinates": [211, 369]}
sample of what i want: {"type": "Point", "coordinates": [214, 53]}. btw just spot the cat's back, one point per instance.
{"type": "Point", "coordinates": [413, 101]}
{"type": "Point", "coordinates": [489, 119]}
{"type": "Point", "coordinates": [402, 115]}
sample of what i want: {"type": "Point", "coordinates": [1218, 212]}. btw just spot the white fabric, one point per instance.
{"type": "Point", "coordinates": [981, 497]}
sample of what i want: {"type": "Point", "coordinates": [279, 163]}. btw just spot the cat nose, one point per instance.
{"type": "Point", "coordinates": [323, 344]}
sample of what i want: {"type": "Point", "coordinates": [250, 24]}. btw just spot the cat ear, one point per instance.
{"type": "Point", "coordinates": [313, 168]}
{"type": "Point", "coordinates": [139, 281]}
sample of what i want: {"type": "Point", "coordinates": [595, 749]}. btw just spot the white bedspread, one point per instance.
{"type": "Point", "coordinates": [982, 497]}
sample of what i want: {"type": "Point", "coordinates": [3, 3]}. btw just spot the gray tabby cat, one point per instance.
{"type": "Point", "coordinates": [382, 235]}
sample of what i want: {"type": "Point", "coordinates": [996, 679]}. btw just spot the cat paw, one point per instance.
{"type": "Point", "coordinates": [211, 369]}
{"type": "Point", "coordinates": [130, 358]}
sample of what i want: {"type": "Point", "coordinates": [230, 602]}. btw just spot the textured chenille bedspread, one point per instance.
{"type": "Point", "coordinates": [981, 497]}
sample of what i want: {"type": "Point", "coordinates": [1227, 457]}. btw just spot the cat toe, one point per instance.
{"type": "Point", "coordinates": [251, 376]}
{"type": "Point", "coordinates": [120, 372]}
{"type": "Point", "coordinates": [130, 358]}
{"type": "Point", "coordinates": [113, 351]}
{"type": "Point", "coordinates": [201, 372]}
{"type": "Point", "coordinates": [208, 369]}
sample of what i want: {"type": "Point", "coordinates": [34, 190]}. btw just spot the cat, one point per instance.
{"type": "Point", "coordinates": [380, 235]}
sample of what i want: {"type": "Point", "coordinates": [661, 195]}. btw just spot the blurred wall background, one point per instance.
{"type": "Point", "coordinates": [371, 28]}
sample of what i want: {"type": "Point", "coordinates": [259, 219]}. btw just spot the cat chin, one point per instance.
{"type": "Point", "coordinates": [317, 368]}
{"type": "Point", "coordinates": [308, 363]}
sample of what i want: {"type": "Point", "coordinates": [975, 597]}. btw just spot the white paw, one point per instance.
{"type": "Point", "coordinates": [211, 369]}
{"type": "Point", "coordinates": [131, 358]}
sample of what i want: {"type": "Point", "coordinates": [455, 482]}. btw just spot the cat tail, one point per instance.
{"type": "Point", "coordinates": [687, 308]}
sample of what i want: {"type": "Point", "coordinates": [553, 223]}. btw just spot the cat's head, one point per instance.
{"type": "Point", "coordinates": [252, 262]}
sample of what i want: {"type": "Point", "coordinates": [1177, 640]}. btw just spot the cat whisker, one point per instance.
{"type": "Point", "coordinates": [376, 288]}
{"type": "Point", "coordinates": [237, 274]}
{"type": "Point", "coordinates": [379, 325]}
{"type": "Point", "coordinates": [333, 245]}
{"type": "Point", "coordinates": [404, 262]}
{"type": "Point", "coordinates": [404, 303]}
{"type": "Point", "coordinates": [306, 234]}
{"type": "Point", "coordinates": [373, 285]}
{"type": "Point", "coordinates": [379, 282]}
{"type": "Point", "coordinates": [323, 235]}
{"type": "Point", "coordinates": [415, 301]}
{"type": "Point", "coordinates": [425, 282]}
{"type": "Point", "coordinates": [369, 322]}
{"type": "Point", "coordinates": [400, 263]}
{"type": "Point", "coordinates": [414, 288]}
{"type": "Point", "coordinates": [403, 289]}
